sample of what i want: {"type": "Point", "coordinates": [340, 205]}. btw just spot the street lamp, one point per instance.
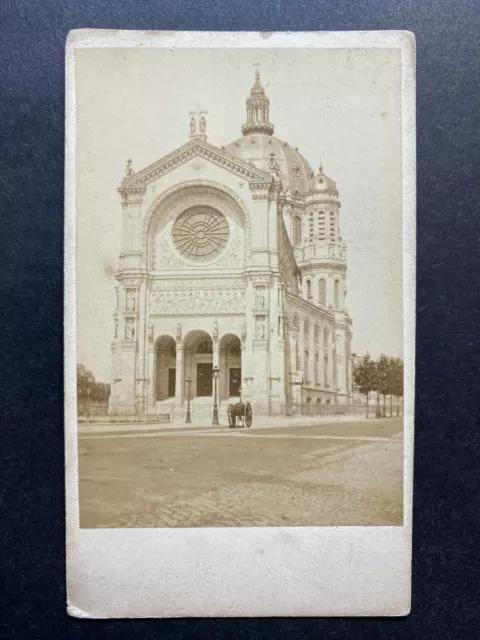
{"type": "Point", "coordinates": [216, 371]}
{"type": "Point", "coordinates": [188, 419]}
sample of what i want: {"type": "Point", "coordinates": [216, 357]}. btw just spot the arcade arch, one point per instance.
{"type": "Point", "coordinates": [165, 368]}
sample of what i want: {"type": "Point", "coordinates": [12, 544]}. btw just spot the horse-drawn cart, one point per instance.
{"type": "Point", "coordinates": [240, 414]}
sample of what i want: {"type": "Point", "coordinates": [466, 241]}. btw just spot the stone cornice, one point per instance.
{"type": "Point", "coordinates": [320, 266]}
{"type": "Point", "coordinates": [131, 195]}
{"type": "Point", "coordinates": [309, 306]}
{"type": "Point", "coordinates": [195, 148]}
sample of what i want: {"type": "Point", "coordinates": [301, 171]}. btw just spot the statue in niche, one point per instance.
{"type": "Point", "coordinates": [193, 125]}
{"type": "Point", "coordinates": [203, 124]}
{"type": "Point", "coordinates": [244, 333]}
{"type": "Point", "coordinates": [130, 330]}
{"type": "Point", "coordinates": [150, 332]}
{"type": "Point", "coordinates": [131, 300]}
{"type": "Point", "coordinates": [260, 331]}
{"type": "Point", "coordinates": [260, 301]}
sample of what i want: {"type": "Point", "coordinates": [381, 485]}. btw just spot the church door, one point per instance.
{"type": "Point", "coordinates": [171, 382]}
{"type": "Point", "coordinates": [204, 378]}
{"type": "Point", "coordinates": [235, 382]}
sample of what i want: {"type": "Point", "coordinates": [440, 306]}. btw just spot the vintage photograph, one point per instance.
{"type": "Point", "coordinates": [239, 287]}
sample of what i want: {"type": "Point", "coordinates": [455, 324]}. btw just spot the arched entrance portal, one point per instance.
{"type": "Point", "coordinates": [199, 363]}
{"type": "Point", "coordinates": [230, 367]}
{"type": "Point", "coordinates": [165, 368]}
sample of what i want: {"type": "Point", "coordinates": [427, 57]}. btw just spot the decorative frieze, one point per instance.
{"type": "Point", "coordinates": [197, 301]}
{"type": "Point", "coordinates": [194, 284]}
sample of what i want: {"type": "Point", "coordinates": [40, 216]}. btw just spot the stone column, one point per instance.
{"type": "Point", "coordinates": [293, 373]}
{"type": "Point", "coordinates": [223, 361]}
{"type": "Point", "coordinates": [152, 373]}
{"type": "Point", "coordinates": [333, 364]}
{"type": "Point", "coordinates": [179, 376]}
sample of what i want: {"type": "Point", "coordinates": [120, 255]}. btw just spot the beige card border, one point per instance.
{"type": "Point", "coordinates": [240, 572]}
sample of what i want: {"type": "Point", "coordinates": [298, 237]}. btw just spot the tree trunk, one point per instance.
{"type": "Point", "coordinates": [391, 405]}
{"type": "Point", "coordinates": [367, 405]}
{"type": "Point", "coordinates": [384, 405]}
{"type": "Point", "coordinates": [377, 412]}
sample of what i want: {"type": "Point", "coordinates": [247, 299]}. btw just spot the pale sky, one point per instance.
{"type": "Point", "coordinates": [340, 107]}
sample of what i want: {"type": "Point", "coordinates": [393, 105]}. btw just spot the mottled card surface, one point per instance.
{"type": "Point", "coordinates": [239, 322]}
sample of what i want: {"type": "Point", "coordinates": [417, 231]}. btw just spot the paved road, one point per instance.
{"type": "Point", "coordinates": [328, 474]}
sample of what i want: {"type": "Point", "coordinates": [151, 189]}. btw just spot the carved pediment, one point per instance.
{"type": "Point", "coordinates": [191, 150]}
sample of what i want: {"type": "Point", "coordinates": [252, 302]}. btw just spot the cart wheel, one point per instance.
{"type": "Point", "coordinates": [248, 415]}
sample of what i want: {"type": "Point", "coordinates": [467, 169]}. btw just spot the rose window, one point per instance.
{"type": "Point", "coordinates": [200, 233]}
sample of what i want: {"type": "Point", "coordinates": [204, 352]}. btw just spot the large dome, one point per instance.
{"type": "Point", "coordinates": [264, 150]}
{"type": "Point", "coordinates": [259, 147]}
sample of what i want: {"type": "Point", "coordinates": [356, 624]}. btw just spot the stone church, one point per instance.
{"type": "Point", "coordinates": [231, 258]}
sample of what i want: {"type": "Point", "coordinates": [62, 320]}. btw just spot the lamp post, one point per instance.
{"type": "Point", "coordinates": [188, 419]}
{"type": "Point", "coordinates": [216, 371]}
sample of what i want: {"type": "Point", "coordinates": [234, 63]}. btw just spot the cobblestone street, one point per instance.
{"type": "Point", "coordinates": [324, 474]}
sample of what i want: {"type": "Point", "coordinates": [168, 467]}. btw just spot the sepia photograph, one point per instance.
{"type": "Point", "coordinates": [239, 329]}
{"type": "Point", "coordinates": [239, 287]}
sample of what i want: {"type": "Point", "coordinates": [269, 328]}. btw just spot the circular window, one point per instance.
{"type": "Point", "coordinates": [200, 233]}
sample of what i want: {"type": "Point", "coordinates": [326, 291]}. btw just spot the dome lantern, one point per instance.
{"type": "Point", "coordinates": [258, 110]}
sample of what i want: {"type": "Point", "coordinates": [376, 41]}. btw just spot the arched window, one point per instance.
{"type": "Point", "coordinates": [297, 231]}
{"type": "Point", "coordinates": [306, 368]}
{"type": "Point", "coordinates": [322, 292]}
{"type": "Point", "coordinates": [337, 294]}
{"type": "Point", "coordinates": [321, 225]}
{"type": "Point", "coordinates": [309, 289]}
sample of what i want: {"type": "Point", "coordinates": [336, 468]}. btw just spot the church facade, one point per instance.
{"type": "Point", "coordinates": [231, 259]}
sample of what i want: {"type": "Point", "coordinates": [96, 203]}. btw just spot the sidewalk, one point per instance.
{"type": "Point", "coordinates": [263, 422]}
